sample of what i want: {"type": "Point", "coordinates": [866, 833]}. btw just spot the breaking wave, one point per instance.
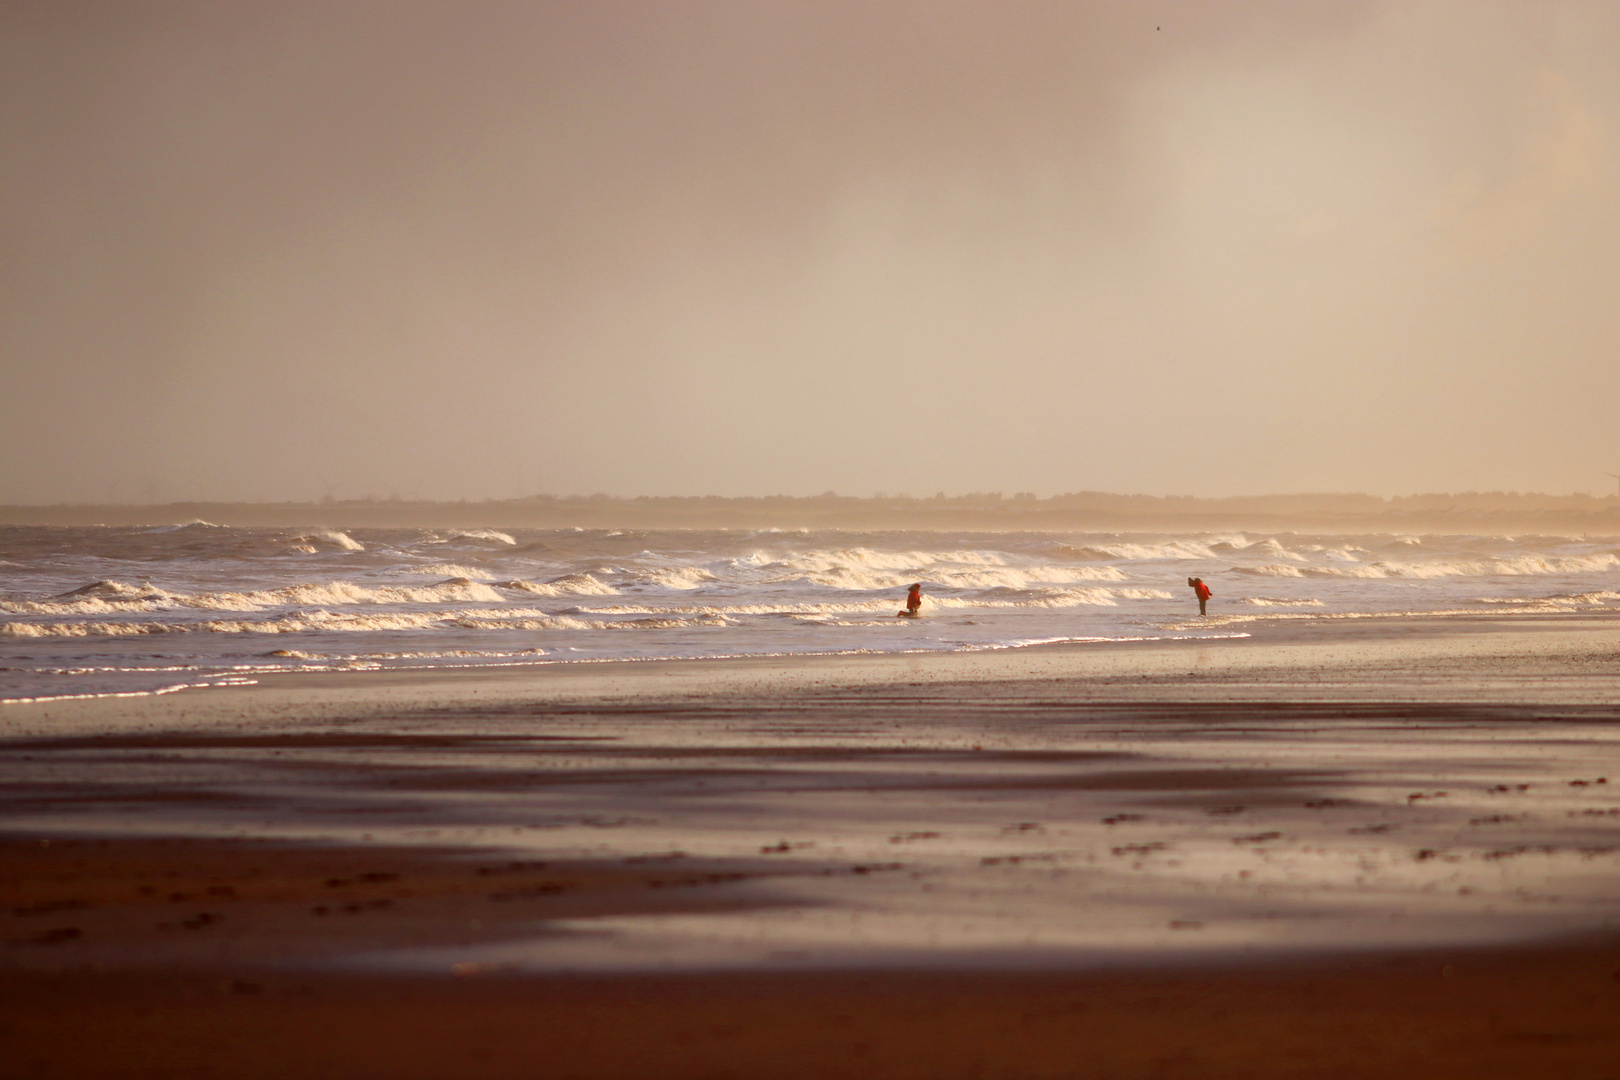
{"type": "Point", "coordinates": [568, 585]}
{"type": "Point", "coordinates": [193, 524]}
{"type": "Point", "coordinates": [484, 534]}
{"type": "Point", "coordinates": [1521, 566]}
{"type": "Point", "coordinates": [196, 591]}
{"type": "Point", "coordinates": [105, 597]}
{"type": "Point", "coordinates": [329, 538]}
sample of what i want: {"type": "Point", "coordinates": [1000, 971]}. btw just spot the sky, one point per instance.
{"type": "Point", "coordinates": [280, 250]}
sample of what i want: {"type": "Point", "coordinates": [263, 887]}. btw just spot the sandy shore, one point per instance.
{"type": "Point", "coordinates": [1389, 842]}
{"type": "Point", "coordinates": [1507, 1013]}
{"type": "Point", "coordinates": [203, 958]}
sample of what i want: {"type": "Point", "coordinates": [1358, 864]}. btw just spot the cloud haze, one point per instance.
{"type": "Point", "coordinates": [278, 250]}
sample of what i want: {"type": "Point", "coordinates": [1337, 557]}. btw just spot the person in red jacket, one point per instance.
{"type": "Point", "coordinates": [1202, 591]}
{"type": "Point", "coordinates": [913, 602]}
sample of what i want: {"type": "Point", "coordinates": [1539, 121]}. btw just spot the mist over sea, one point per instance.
{"type": "Point", "coordinates": [94, 610]}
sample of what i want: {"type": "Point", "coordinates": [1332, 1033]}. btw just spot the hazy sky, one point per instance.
{"type": "Point", "coordinates": [268, 250]}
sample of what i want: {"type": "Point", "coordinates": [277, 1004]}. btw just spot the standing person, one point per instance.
{"type": "Point", "coordinates": [913, 602]}
{"type": "Point", "coordinates": [1202, 591]}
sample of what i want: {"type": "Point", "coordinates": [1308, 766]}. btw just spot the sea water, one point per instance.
{"type": "Point", "coordinates": [101, 610]}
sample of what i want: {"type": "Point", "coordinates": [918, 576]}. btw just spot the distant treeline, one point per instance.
{"type": "Point", "coordinates": [1471, 511]}
{"type": "Point", "coordinates": [1316, 503]}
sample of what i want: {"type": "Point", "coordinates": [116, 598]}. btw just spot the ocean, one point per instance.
{"type": "Point", "coordinates": [90, 611]}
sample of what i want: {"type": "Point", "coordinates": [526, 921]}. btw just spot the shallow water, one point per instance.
{"type": "Point", "coordinates": [89, 611]}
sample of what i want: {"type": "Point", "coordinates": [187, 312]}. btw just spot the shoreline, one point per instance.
{"type": "Point", "coordinates": [1224, 858]}
{"type": "Point", "coordinates": [1267, 644]}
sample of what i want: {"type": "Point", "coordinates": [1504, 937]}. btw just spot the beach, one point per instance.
{"type": "Point", "coordinates": [813, 539]}
{"type": "Point", "coordinates": [1391, 842]}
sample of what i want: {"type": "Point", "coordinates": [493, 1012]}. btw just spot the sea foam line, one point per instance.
{"type": "Point", "coordinates": [945, 649]}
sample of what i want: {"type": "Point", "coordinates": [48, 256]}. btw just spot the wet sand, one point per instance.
{"type": "Point", "coordinates": [1548, 1012]}
{"type": "Point", "coordinates": [1370, 849]}
{"type": "Point", "coordinates": [201, 958]}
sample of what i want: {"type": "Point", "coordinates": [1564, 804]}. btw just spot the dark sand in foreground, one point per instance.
{"type": "Point", "coordinates": [1351, 852]}
{"type": "Point", "coordinates": [246, 1007]}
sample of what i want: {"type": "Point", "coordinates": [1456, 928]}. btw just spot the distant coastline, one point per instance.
{"type": "Point", "coordinates": [1468, 512]}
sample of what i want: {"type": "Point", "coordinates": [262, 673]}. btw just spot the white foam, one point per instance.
{"type": "Point", "coordinates": [331, 537]}
{"type": "Point", "coordinates": [1100, 597]}
{"type": "Point", "coordinates": [1269, 571]}
{"type": "Point", "coordinates": [569, 585]}
{"type": "Point", "coordinates": [484, 534]}
{"type": "Point", "coordinates": [678, 577]}
{"type": "Point", "coordinates": [1281, 601]}
{"type": "Point", "coordinates": [442, 570]}
{"type": "Point", "coordinates": [719, 593]}
{"type": "Point", "coordinates": [1603, 598]}
{"type": "Point", "coordinates": [194, 523]}
{"type": "Point", "coordinates": [93, 599]}
{"type": "Point", "coordinates": [956, 573]}
{"type": "Point", "coordinates": [1521, 566]}
{"type": "Point", "coordinates": [736, 609]}
{"type": "Point", "coordinates": [1133, 551]}
{"type": "Point", "coordinates": [175, 688]}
